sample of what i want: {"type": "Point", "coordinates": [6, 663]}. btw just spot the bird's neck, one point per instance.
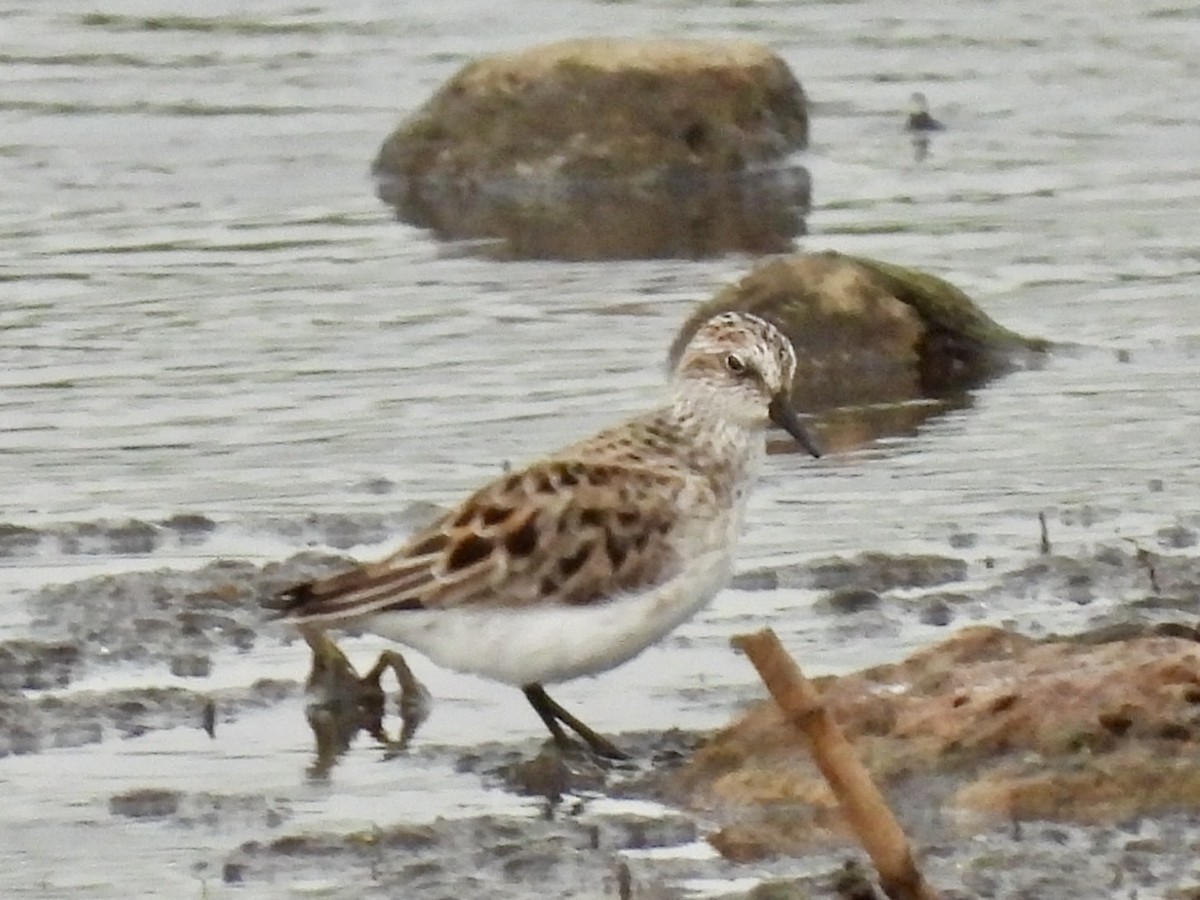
{"type": "Point", "coordinates": [714, 441]}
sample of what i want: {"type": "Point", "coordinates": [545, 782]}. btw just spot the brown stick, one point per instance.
{"type": "Point", "coordinates": [863, 805]}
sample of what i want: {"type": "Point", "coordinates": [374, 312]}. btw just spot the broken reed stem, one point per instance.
{"type": "Point", "coordinates": [861, 803]}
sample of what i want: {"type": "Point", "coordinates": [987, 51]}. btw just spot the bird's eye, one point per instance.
{"type": "Point", "coordinates": [735, 364]}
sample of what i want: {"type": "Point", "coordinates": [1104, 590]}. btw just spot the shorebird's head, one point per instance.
{"type": "Point", "coordinates": [742, 368]}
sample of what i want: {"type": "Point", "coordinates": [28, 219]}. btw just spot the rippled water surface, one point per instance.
{"type": "Point", "coordinates": [204, 310]}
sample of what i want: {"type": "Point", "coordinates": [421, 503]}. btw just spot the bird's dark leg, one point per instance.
{"type": "Point", "coordinates": [552, 714]}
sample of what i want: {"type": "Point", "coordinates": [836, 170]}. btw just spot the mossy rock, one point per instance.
{"type": "Point", "coordinates": [869, 332]}
{"type": "Point", "coordinates": [607, 148]}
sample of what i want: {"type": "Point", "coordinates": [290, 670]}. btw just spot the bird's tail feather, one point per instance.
{"type": "Point", "coordinates": [347, 595]}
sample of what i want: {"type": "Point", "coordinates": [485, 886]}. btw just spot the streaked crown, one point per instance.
{"type": "Point", "coordinates": [741, 358]}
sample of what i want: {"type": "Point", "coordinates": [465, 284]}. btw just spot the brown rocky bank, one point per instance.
{"type": "Point", "coordinates": [989, 726]}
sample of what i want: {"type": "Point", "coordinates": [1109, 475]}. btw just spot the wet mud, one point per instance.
{"type": "Point", "coordinates": [131, 537]}
{"type": "Point", "coordinates": [654, 826]}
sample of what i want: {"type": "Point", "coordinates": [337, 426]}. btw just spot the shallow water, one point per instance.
{"type": "Point", "coordinates": [204, 310]}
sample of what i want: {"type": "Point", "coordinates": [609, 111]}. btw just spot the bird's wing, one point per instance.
{"type": "Point", "coordinates": [561, 531]}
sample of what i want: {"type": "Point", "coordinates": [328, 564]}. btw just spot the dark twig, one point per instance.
{"type": "Point", "coordinates": [1046, 549]}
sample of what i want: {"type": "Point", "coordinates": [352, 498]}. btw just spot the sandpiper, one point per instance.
{"type": "Point", "coordinates": [578, 562]}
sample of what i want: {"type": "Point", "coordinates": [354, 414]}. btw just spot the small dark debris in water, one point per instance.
{"type": "Point", "coordinates": [1155, 485]}
{"type": "Point", "coordinates": [850, 600]}
{"type": "Point", "coordinates": [1079, 589]}
{"type": "Point", "coordinates": [145, 803]}
{"type": "Point", "coordinates": [1123, 356]}
{"type": "Point", "coordinates": [208, 718]}
{"type": "Point", "coordinates": [233, 873]}
{"type": "Point", "coordinates": [1176, 537]}
{"type": "Point", "coordinates": [377, 486]}
{"type": "Point", "coordinates": [963, 540]}
{"type": "Point", "coordinates": [624, 881]}
{"type": "Point", "coordinates": [1148, 561]}
{"type": "Point", "coordinates": [919, 118]}
{"type": "Point", "coordinates": [191, 665]}
{"type": "Point", "coordinates": [1112, 556]}
{"type": "Point", "coordinates": [937, 612]}
{"type": "Point", "coordinates": [1045, 544]}
{"type": "Point", "coordinates": [756, 580]}
{"type": "Point", "coordinates": [191, 528]}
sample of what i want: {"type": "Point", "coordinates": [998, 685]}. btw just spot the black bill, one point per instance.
{"type": "Point", "coordinates": [785, 417]}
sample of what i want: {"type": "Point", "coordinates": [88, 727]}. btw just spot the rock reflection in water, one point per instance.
{"type": "Point", "coordinates": [685, 215]}
{"type": "Point", "coordinates": [607, 149]}
{"type": "Point", "coordinates": [850, 427]}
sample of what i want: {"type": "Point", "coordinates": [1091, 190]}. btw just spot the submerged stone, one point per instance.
{"type": "Point", "coordinates": [607, 148]}
{"type": "Point", "coordinates": [145, 803]}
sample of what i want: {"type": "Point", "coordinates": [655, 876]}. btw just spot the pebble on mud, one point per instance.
{"type": "Point", "coordinates": [145, 803]}
{"type": "Point", "coordinates": [552, 773]}
{"type": "Point", "coordinates": [846, 601]}
{"type": "Point", "coordinates": [191, 665]}
{"type": "Point", "coordinates": [881, 572]}
{"type": "Point", "coordinates": [935, 611]}
{"type": "Point", "coordinates": [1177, 537]}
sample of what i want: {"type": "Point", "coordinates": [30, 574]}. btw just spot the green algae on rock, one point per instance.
{"type": "Point", "coordinates": [870, 332]}
{"type": "Point", "coordinates": [607, 148]}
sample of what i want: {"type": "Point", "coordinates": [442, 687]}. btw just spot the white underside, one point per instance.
{"type": "Point", "coordinates": [522, 646]}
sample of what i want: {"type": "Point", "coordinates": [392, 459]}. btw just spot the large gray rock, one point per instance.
{"type": "Point", "coordinates": [607, 148]}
